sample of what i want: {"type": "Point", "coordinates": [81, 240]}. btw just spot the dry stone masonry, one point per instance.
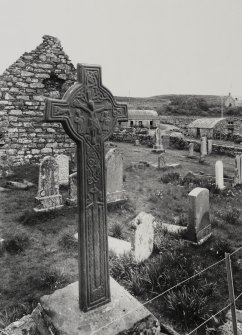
{"type": "Point", "coordinates": [43, 72]}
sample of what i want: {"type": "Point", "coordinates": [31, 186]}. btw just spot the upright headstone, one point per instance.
{"type": "Point", "coordinates": [63, 162]}
{"type": "Point", "coordinates": [114, 176]}
{"type": "Point", "coordinates": [89, 114]}
{"type": "Point", "coordinates": [158, 147]}
{"type": "Point", "coordinates": [143, 240]}
{"type": "Point", "coordinates": [199, 227]}
{"type": "Point", "coordinates": [238, 170]}
{"type": "Point", "coordinates": [204, 151]}
{"type": "Point", "coordinates": [161, 161]}
{"type": "Point", "coordinates": [48, 196]}
{"type": "Point", "coordinates": [210, 146]}
{"type": "Point", "coordinates": [191, 150]}
{"type": "Point", "coordinates": [72, 199]}
{"type": "Point", "coordinates": [219, 175]}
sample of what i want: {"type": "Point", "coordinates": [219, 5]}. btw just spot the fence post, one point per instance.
{"type": "Point", "coordinates": [231, 292]}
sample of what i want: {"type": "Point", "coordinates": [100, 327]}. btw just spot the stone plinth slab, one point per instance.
{"type": "Point", "coordinates": [63, 308]}
{"type": "Point", "coordinates": [115, 245]}
{"type": "Point", "coordinates": [173, 229]}
{"type": "Point", "coordinates": [119, 247]}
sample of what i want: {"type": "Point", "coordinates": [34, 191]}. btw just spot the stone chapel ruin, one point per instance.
{"type": "Point", "coordinates": [24, 135]}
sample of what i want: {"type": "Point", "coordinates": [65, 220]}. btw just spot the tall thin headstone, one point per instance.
{"type": "Point", "coordinates": [72, 199]}
{"type": "Point", "coordinates": [191, 150]}
{"type": "Point", "coordinates": [89, 114]}
{"type": "Point", "coordinates": [238, 170]}
{"type": "Point", "coordinates": [219, 175]}
{"type": "Point", "coordinates": [114, 176]}
{"type": "Point", "coordinates": [210, 146]}
{"type": "Point", "coordinates": [199, 227]}
{"type": "Point", "coordinates": [204, 150]}
{"type": "Point", "coordinates": [48, 196]}
{"type": "Point", "coordinates": [63, 162]}
{"type": "Point", "coordinates": [158, 147]}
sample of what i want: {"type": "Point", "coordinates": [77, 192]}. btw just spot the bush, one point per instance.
{"type": "Point", "coordinates": [189, 304]}
{"type": "Point", "coordinates": [48, 278]}
{"type": "Point", "coordinates": [178, 143]}
{"type": "Point", "coordinates": [232, 216]}
{"type": "Point", "coordinates": [170, 177]}
{"type": "Point", "coordinates": [117, 230]}
{"type": "Point", "coordinates": [16, 243]}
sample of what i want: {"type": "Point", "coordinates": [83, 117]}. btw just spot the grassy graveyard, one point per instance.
{"type": "Point", "coordinates": [41, 253]}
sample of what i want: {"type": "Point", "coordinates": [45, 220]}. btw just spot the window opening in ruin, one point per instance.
{"type": "Point", "coordinates": [140, 124]}
{"type": "Point", "coordinates": [131, 123]}
{"type": "Point", "coordinates": [53, 83]}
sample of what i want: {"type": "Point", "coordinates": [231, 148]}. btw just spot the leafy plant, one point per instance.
{"type": "Point", "coordinates": [170, 177]}
{"type": "Point", "coordinates": [117, 230]}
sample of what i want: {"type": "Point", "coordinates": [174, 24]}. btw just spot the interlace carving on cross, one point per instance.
{"type": "Point", "coordinates": [88, 110]}
{"type": "Point", "coordinates": [88, 113]}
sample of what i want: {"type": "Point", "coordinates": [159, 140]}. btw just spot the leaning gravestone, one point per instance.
{"type": "Point", "coordinates": [63, 162]}
{"type": "Point", "coordinates": [89, 114]}
{"type": "Point", "coordinates": [219, 175]}
{"type": "Point", "coordinates": [72, 199]}
{"type": "Point", "coordinates": [158, 147]}
{"type": "Point", "coordinates": [199, 227]}
{"type": "Point", "coordinates": [114, 176]}
{"type": "Point", "coordinates": [143, 240]}
{"type": "Point", "coordinates": [48, 196]}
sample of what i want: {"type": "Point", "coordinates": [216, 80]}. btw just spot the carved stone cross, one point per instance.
{"type": "Point", "coordinates": [88, 113]}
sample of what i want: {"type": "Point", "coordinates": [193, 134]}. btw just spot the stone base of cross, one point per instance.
{"type": "Point", "coordinates": [88, 113]}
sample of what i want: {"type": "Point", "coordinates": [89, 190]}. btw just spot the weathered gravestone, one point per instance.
{"type": "Point", "coordinates": [142, 243]}
{"type": "Point", "coordinates": [114, 176]}
{"type": "Point", "coordinates": [63, 163]}
{"type": "Point", "coordinates": [210, 146]}
{"type": "Point", "coordinates": [72, 199]}
{"type": "Point", "coordinates": [48, 196]}
{"type": "Point", "coordinates": [191, 150]}
{"type": "Point", "coordinates": [161, 161]}
{"type": "Point", "coordinates": [219, 175]}
{"type": "Point", "coordinates": [199, 227]}
{"type": "Point", "coordinates": [89, 114]}
{"type": "Point", "coordinates": [238, 170]}
{"type": "Point", "coordinates": [204, 151]}
{"type": "Point", "coordinates": [158, 147]}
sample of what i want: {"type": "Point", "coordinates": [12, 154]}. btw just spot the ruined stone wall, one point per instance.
{"type": "Point", "coordinates": [43, 72]}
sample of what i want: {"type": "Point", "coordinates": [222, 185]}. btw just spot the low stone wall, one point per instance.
{"type": "Point", "coordinates": [131, 137]}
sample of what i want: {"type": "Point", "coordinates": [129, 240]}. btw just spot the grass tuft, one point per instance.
{"type": "Point", "coordinates": [16, 243]}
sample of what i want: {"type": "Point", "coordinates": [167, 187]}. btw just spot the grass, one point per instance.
{"type": "Point", "coordinates": [48, 259]}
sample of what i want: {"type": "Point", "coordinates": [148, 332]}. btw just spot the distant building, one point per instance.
{"type": "Point", "coordinates": [210, 127]}
{"type": "Point", "coordinates": [231, 102]}
{"type": "Point", "coordinates": [141, 118]}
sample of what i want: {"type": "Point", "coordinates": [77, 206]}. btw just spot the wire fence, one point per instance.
{"type": "Point", "coordinates": [230, 305]}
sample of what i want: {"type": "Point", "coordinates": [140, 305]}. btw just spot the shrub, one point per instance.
{"type": "Point", "coordinates": [170, 177]}
{"type": "Point", "coordinates": [48, 278]}
{"type": "Point", "coordinates": [117, 230]}
{"type": "Point", "coordinates": [189, 305]}
{"type": "Point", "coordinates": [16, 243]}
{"type": "Point", "coordinates": [232, 216]}
{"type": "Point", "coordinates": [218, 247]}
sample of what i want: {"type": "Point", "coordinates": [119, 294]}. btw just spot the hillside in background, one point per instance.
{"type": "Point", "coordinates": [174, 104]}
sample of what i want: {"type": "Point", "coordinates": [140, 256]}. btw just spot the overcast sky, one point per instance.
{"type": "Point", "coordinates": [145, 47]}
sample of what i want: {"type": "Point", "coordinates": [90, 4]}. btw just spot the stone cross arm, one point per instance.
{"type": "Point", "coordinates": [87, 109]}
